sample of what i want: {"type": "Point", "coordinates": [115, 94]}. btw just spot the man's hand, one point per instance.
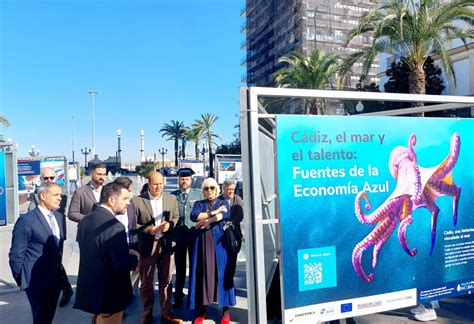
{"type": "Point", "coordinates": [164, 227]}
{"type": "Point", "coordinates": [153, 230]}
{"type": "Point", "coordinates": [135, 253]}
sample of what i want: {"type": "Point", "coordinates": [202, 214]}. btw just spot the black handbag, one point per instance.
{"type": "Point", "coordinates": [231, 241]}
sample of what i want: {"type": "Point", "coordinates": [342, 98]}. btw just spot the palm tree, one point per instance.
{"type": "Point", "coordinates": [5, 123]}
{"type": "Point", "coordinates": [206, 122]}
{"type": "Point", "coordinates": [174, 131]}
{"type": "Point", "coordinates": [413, 30]}
{"type": "Point", "coordinates": [194, 134]}
{"type": "Point", "coordinates": [314, 72]}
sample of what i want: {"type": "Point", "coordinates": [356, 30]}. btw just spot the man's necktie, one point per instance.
{"type": "Point", "coordinates": [185, 196]}
{"type": "Point", "coordinates": [54, 229]}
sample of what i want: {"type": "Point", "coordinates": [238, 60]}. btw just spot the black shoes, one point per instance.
{"type": "Point", "coordinates": [66, 297]}
{"type": "Point", "coordinates": [178, 303]}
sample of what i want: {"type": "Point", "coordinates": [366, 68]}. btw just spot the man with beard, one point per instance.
{"type": "Point", "coordinates": [184, 230]}
{"type": "Point", "coordinates": [88, 195]}
{"type": "Point", "coordinates": [103, 285]}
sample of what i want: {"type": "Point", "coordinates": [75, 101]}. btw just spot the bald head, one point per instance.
{"type": "Point", "coordinates": [156, 183]}
{"type": "Point", "coordinates": [47, 175]}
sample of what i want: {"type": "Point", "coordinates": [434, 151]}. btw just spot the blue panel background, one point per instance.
{"type": "Point", "coordinates": [314, 222]}
{"type": "Point", "coordinates": [3, 191]}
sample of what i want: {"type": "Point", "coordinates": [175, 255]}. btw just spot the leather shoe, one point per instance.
{"type": "Point", "coordinates": [170, 318]}
{"type": "Point", "coordinates": [178, 303]}
{"type": "Point", "coordinates": [66, 297]}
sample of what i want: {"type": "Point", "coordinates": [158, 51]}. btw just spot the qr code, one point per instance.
{"type": "Point", "coordinates": [313, 273]}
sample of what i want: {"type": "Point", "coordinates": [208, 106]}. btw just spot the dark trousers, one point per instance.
{"type": "Point", "coordinates": [182, 254]}
{"type": "Point", "coordinates": [65, 285]}
{"type": "Point", "coordinates": [43, 301]}
{"type": "Point", "coordinates": [163, 262]}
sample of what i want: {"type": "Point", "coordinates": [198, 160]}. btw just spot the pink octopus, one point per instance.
{"type": "Point", "coordinates": [417, 187]}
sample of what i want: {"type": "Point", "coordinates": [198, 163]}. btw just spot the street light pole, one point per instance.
{"type": "Point", "coordinates": [162, 151]}
{"type": "Point", "coordinates": [93, 92]}
{"type": "Point", "coordinates": [73, 139]}
{"type": "Point", "coordinates": [33, 151]}
{"type": "Point", "coordinates": [119, 158]}
{"type": "Point", "coordinates": [86, 152]}
{"type": "Point", "coordinates": [203, 152]}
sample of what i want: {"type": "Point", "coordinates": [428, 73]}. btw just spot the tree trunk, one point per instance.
{"type": "Point", "coordinates": [196, 150]}
{"type": "Point", "coordinates": [176, 147]}
{"type": "Point", "coordinates": [416, 80]}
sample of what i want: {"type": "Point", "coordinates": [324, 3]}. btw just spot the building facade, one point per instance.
{"type": "Point", "coordinates": [275, 28]}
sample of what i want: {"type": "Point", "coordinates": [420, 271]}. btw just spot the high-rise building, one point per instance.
{"type": "Point", "coordinates": [275, 28]}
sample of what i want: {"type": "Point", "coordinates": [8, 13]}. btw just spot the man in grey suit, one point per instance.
{"type": "Point", "coordinates": [157, 214]}
{"type": "Point", "coordinates": [36, 253]}
{"type": "Point", "coordinates": [184, 231]}
{"type": "Point", "coordinates": [47, 176]}
{"type": "Point", "coordinates": [88, 195]}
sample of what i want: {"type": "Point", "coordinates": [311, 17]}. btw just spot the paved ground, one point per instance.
{"type": "Point", "coordinates": [14, 307]}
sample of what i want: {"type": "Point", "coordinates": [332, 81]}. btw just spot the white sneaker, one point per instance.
{"type": "Point", "coordinates": [428, 315]}
{"type": "Point", "coordinates": [418, 309]}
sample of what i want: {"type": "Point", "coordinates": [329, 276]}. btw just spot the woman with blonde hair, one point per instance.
{"type": "Point", "coordinates": [209, 283]}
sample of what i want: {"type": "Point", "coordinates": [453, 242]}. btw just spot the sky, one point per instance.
{"type": "Point", "coordinates": [150, 61]}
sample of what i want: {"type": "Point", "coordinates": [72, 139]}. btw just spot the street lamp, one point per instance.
{"type": "Point", "coordinates": [162, 151]}
{"type": "Point", "coordinates": [203, 153]}
{"type": "Point", "coordinates": [93, 92]}
{"type": "Point", "coordinates": [33, 151]}
{"type": "Point", "coordinates": [7, 146]}
{"type": "Point", "coordinates": [86, 152]}
{"type": "Point", "coordinates": [119, 136]}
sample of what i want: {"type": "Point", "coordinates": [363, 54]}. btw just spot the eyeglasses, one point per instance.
{"type": "Point", "coordinates": [209, 188]}
{"type": "Point", "coordinates": [48, 178]}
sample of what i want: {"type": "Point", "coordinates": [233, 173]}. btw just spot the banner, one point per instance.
{"type": "Point", "coordinates": [3, 191]}
{"type": "Point", "coordinates": [29, 171]}
{"type": "Point", "coordinates": [375, 213]}
{"type": "Point", "coordinates": [228, 168]}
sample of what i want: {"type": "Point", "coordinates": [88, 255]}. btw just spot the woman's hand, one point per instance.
{"type": "Point", "coordinates": [203, 223]}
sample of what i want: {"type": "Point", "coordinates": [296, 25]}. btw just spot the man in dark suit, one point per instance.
{"type": "Point", "coordinates": [36, 253]}
{"type": "Point", "coordinates": [129, 220]}
{"type": "Point", "coordinates": [183, 232]}
{"type": "Point", "coordinates": [157, 214]}
{"type": "Point", "coordinates": [103, 284]}
{"type": "Point", "coordinates": [88, 195]}
{"type": "Point", "coordinates": [48, 175]}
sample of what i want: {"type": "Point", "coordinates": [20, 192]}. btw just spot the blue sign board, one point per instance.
{"type": "Point", "coordinates": [375, 213]}
{"type": "Point", "coordinates": [3, 191]}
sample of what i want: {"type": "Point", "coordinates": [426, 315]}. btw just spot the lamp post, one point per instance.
{"type": "Point", "coordinates": [72, 139]}
{"type": "Point", "coordinates": [119, 150]}
{"type": "Point", "coordinates": [86, 152]}
{"type": "Point", "coordinates": [7, 146]}
{"type": "Point", "coordinates": [93, 92]}
{"type": "Point", "coordinates": [33, 151]}
{"type": "Point", "coordinates": [162, 151]}
{"type": "Point", "coordinates": [203, 153]}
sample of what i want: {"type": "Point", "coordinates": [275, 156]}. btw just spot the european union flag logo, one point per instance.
{"type": "Point", "coordinates": [346, 308]}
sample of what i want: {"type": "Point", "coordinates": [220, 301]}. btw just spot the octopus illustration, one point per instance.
{"type": "Point", "coordinates": [417, 187]}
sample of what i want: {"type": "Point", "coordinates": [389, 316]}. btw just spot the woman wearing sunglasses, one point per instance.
{"type": "Point", "coordinates": [208, 281]}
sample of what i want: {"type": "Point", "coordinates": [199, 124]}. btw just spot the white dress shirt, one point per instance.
{"type": "Point", "coordinates": [157, 207]}
{"type": "Point", "coordinates": [54, 222]}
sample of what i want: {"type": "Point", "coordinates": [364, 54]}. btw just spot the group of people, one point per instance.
{"type": "Point", "coordinates": [124, 241]}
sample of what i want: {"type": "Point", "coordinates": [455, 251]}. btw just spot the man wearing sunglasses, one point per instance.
{"type": "Point", "coordinates": [48, 176]}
